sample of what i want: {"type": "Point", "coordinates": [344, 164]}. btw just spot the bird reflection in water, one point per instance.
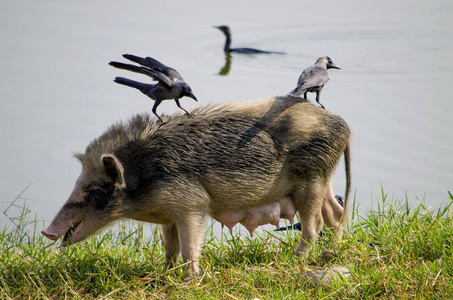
{"type": "Point", "coordinates": [228, 50]}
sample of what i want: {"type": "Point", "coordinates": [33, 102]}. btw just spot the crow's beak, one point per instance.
{"type": "Point", "coordinates": [192, 96]}
{"type": "Point", "coordinates": [334, 66]}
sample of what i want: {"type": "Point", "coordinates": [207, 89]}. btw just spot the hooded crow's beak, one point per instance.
{"type": "Point", "coordinates": [333, 66]}
{"type": "Point", "coordinates": [192, 96]}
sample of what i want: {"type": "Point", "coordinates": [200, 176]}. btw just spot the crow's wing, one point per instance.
{"type": "Point", "coordinates": [156, 65]}
{"type": "Point", "coordinates": [311, 77]}
{"type": "Point", "coordinates": [156, 75]}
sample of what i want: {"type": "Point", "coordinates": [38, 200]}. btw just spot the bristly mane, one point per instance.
{"type": "Point", "coordinates": [141, 126]}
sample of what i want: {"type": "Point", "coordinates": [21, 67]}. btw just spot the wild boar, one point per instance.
{"type": "Point", "coordinates": [251, 162]}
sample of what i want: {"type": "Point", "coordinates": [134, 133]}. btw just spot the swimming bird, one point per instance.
{"type": "Point", "coordinates": [170, 84]}
{"type": "Point", "coordinates": [314, 78]}
{"type": "Point", "coordinates": [226, 30]}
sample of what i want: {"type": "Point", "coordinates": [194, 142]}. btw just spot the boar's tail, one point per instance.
{"type": "Point", "coordinates": [347, 193]}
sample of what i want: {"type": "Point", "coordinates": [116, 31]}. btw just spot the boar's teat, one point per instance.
{"type": "Point", "coordinates": [114, 169]}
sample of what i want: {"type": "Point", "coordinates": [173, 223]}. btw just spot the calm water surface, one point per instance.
{"type": "Point", "coordinates": [394, 88]}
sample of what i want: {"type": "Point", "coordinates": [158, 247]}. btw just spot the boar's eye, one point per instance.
{"type": "Point", "coordinates": [98, 194]}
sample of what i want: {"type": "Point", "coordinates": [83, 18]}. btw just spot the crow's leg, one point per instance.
{"type": "Point", "coordinates": [156, 104]}
{"type": "Point", "coordinates": [317, 99]}
{"type": "Point", "coordinates": [179, 105]}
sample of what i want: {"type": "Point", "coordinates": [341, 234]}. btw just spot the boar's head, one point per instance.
{"type": "Point", "coordinates": [93, 203]}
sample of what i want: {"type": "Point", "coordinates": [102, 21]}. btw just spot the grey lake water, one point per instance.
{"type": "Point", "coordinates": [394, 89]}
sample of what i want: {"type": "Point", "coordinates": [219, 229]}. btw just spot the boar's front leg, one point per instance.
{"type": "Point", "coordinates": [171, 241]}
{"type": "Point", "coordinates": [190, 231]}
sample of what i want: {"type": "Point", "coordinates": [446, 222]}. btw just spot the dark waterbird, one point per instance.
{"type": "Point", "coordinates": [314, 78]}
{"type": "Point", "coordinates": [226, 30]}
{"type": "Point", "coordinates": [170, 84]}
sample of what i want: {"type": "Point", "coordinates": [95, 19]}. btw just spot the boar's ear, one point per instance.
{"type": "Point", "coordinates": [114, 169]}
{"type": "Point", "coordinates": [79, 156]}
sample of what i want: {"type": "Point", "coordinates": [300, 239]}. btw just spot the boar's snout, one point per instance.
{"type": "Point", "coordinates": [50, 235]}
{"type": "Point", "coordinates": [67, 233]}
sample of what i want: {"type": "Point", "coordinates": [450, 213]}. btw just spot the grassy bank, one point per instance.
{"type": "Point", "coordinates": [392, 252]}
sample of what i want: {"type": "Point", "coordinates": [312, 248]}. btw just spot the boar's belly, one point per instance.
{"type": "Point", "coordinates": [253, 217]}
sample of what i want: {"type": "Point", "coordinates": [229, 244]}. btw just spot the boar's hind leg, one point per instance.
{"type": "Point", "coordinates": [171, 241]}
{"type": "Point", "coordinates": [190, 231]}
{"type": "Point", "coordinates": [332, 213]}
{"type": "Point", "coordinates": [309, 200]}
